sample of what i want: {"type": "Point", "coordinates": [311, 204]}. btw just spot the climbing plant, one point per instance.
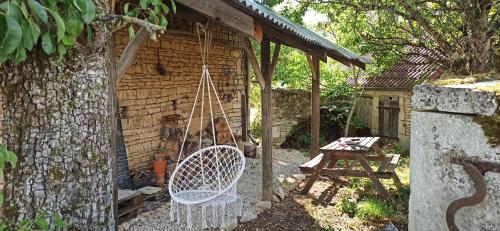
{"type": "Point", "coordinates": [56, 24]}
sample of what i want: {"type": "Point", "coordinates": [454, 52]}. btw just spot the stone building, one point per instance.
{"type": "Point", "coordinates": [156, 91]}
{"type": "Point", "coordinates": [385, 106]}
{"type": "Point", "coordinates": [150, 101]}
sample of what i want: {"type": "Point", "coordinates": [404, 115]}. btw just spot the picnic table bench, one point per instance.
{"type": "Point", "coordinates": [353, 148]}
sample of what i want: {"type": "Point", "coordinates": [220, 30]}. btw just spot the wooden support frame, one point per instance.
{"type": "Point", "coordinates": [245, 102]}
{"type": "Point", "coordinates": [315, 104]}
{"type": "Point", "coordinates": [276, 55]}
{"type": "Point", "coordinates": [128, 54]}
{"type": "Point", "coordinates": [264, 74]}
{"type": "Point", "coordinates": [252, 58]}
{"type": "Point", "coordinates": [369, 171]}
{"type": "Point", "coordinates": [224, 13]}
{"type": "Point", "coordinates": [267, 138]}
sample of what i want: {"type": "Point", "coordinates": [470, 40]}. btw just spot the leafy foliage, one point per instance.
{"type": "Point", "coordinates": [346, 205]}
{"type": "Point", "coordinates": [457, 33]}
{"type": "Point", "coordinates": [332, 122]}
{"type": "Point", "coordinates": [9, 157]}
{"type": "Point", "coordinates": [58, 24]}
{"type": "Point", "coordinates": [154, 10]}
{"type": "Point", "coordinates": [39, 223]}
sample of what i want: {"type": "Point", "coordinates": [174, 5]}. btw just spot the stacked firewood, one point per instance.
{"type": "Point", "coordinates": [222, 133]}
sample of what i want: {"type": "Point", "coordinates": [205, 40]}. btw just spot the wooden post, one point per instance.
{"type": "Point", "coordinates": [266, 95]}
{"type": "Point", "coordinates": [245, 109]}
{"type": "Point", "coordinates": [244, 118]}
{"type": "Point", "coordinates": [315, 107]}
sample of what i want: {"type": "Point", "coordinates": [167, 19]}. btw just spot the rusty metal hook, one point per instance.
{"type": "Point", "coordinates": [476, 170]}
{"type": "Point", "coordinates": [477, 177]}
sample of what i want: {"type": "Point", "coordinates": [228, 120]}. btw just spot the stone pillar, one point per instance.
{"type": "Point", "coordinates": [460, 122]}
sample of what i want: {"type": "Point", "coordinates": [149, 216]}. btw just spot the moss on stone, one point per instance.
{"type": "Point", "coordinates": [491, 128]}
{"type": "Point", "coordinates": [494, 88]}
{"type": "Point", "coordinates": [450, 79]}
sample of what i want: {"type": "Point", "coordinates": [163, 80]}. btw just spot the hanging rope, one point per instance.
{"type": "Point", "coordinates": [209, 176]}
{"type": "Point", "coordinates": [205, 81]}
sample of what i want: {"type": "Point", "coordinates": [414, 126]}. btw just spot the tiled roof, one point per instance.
{"type": "Point", "coordinates": [405, 73]}
{"type": "Point", "coordinates": [300, 31]}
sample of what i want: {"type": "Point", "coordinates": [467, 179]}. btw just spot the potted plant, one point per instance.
{"type": "Point", "coordinates": [159, 166]}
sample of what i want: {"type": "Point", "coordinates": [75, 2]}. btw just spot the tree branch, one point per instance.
{"type": "Point", "coordinates": [150, 27]}
{"type": "Point", "coordinates": [128, 54]}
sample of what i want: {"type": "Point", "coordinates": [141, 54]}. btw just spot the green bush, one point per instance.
{"type": "Point", "coordinates": [256, 126]}
{"type": "Point", "coordinates": [357, 122]}
{"type": "Point", "coordinates": [398, 148]}
{"type": "Point", "coordinates": [346, 206]}
{"type": "Point", "coordinates": [374, 208]}
{"type": "Point", "coordinates": [359, 185]}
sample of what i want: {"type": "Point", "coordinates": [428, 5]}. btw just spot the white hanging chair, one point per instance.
{"type": "Point", "coordinates": [208, 177]}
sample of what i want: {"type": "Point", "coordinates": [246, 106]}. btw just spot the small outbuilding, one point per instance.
{"type": "Point", "coordinates": [385, 105]}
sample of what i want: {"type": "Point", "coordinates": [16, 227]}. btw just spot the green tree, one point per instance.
{"type": "Point", "coordinates": [57, 108]}
{"type": "Point", "coordinates": [459, 34]}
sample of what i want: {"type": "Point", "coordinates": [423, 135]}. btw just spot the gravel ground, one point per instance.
{"type": "Point", "coordinates": [285, 162]}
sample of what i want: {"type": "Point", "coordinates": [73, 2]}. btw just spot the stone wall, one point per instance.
{"type": "Point", "coordinates": [288, 106]}
{"type": "Point", "coordinates": [404, 125]}
{"type": "Point", "coordinates": [146, 97]}
{"type": "Point", "coordinates": [449, 123]}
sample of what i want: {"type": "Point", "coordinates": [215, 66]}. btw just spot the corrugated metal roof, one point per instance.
{"type": "Point", "coordinates": [300, 31]}
{"type": "Point", "coordinates": [406, 72]}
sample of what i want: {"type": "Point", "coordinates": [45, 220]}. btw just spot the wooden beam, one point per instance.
{"type": "Point", "coordinates": [244, 118]}
{"type": "Point", "coordinates": [315, 105]}
{"type": "Point", "coordinates": [258, 32]}
{"type": "Point", "coordinates": [335, 172]}
{"type": "Point", "coordinates": [279, 36]}
{"type": "Point", "coordinates": [128, 54]}
{"type": "Point", "coordinates": [224, 13]}
{"type": "Point", "coordinates": [276, 55]}
{"type": "Point", "coordinates": [247, 96]}
{"type": "Point", "coordinates": [252, 58]}
{"type": "Point", "coordinates": [267, 138]}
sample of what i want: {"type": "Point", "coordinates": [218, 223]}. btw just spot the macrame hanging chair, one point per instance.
{"type": "Point", "coordinates": [207, 178]}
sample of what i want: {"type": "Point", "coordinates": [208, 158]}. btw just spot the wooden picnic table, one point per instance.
{"type": "Point", "coordinates": [357, 149]}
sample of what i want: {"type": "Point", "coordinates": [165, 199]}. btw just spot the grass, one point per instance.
{"type": "Point", "coordinates": [374, 208]}
{"type": "Point", "coordinates": [356, 205]}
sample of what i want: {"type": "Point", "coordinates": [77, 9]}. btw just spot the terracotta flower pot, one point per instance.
{"type": "Point", "coordinates": [159, 167]}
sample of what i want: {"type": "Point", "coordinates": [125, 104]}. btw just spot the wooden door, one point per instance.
{"type": "Point", "coordinates": [364, 110]}
{"type": "Point", "coordinates": [388, 116]}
